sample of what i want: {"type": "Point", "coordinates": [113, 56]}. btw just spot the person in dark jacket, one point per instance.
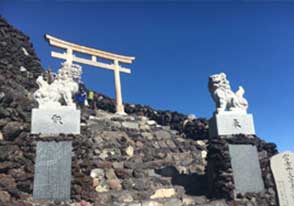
{"type": "Point", "coordinates": [81, 98]}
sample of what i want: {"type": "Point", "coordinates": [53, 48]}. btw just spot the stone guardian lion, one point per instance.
{"type": "Point", "coordinates": [62, 89]}
{"type": "Point", "coordinates": [224, 97]}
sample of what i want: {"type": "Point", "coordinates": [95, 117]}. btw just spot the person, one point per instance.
{"type": "Point", "coordinates": [80, 98]}
{"type": "Point", "coordinates": [91, 99]}
{"type": "Point", "coordinates": [96, 96]}
{"type": "Point", "coordinates": [85, 97]}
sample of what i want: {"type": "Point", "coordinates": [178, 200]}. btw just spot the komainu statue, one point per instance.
{"type": "Point", "coordinates": [223, 95]}
{"type": "Point", "coordinates": [62, 89]}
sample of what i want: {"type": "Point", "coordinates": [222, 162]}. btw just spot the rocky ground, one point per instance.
{"type": "Point", "coordinates": [147, 158]}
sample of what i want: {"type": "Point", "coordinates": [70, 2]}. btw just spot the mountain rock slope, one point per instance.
{"type": "Point", "coordinates": [147, 158]}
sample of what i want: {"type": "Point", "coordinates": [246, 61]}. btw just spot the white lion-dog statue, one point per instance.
{"type": "Point", "coordinates": [223, 95]}
{"type": "Point", "coordinates": [62, 89]}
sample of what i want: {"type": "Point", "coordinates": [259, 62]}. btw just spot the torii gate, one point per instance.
{"type": "Point", "coordinates": [94, 53]}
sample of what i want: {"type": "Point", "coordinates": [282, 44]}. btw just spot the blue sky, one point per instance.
{"type": "Point", "coordinates": [177, 46]}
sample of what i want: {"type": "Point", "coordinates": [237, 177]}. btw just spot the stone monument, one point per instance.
{"type": "Point", "coordinates": [52, 117]}
{"type": "Point", "coordinates": [282, 166]}
{"type": "Point", "coordinates": [56, 114]}
{"type": "Point", "coordinates": [232, 151]}
{"type": "Point", "coordinates": [231, 115]}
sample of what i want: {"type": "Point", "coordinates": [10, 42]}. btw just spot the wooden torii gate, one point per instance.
{"type": "Point", "coordinates": [94, 53]}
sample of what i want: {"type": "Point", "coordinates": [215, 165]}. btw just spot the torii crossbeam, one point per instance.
{"type": "Point", "coordinates": [94, 53]}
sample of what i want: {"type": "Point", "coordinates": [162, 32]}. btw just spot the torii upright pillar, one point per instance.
{"type": "Point", "coordinates": [119, 103]}
{"type": "Point", "coordinates": [94, 53]}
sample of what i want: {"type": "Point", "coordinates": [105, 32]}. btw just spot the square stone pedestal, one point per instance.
{"type": "Point", "coordinates": [230, 123]}
{"type": "Point", "coordinates": [58, 120]}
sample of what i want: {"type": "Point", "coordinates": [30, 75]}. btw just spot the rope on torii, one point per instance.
{"type": "Point", "coordinates": [94, 53]}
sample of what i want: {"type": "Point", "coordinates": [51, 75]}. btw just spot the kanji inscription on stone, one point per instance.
{"type": "Point", "coordinates": [282, 166]}
{"type": "Point", "coordinates": [52, 179]}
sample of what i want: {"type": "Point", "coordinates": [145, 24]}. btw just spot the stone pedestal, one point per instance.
{"type": "Point", "coordinates": [231, 123]}
{"type": "Point", "coordinates": [58, 120]}
{"type": "Point", "coordinates": [240, 165]}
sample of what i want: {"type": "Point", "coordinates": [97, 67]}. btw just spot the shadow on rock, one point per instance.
{"type": "Point", "coordinates": [194, 184]}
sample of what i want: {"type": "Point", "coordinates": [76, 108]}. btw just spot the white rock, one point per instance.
{"type": "Point", "coordinates": [130, 151]}
{"type": "Point", "coordinates": [163, 193]}
{"type": "Point", "coordinates": [203, 154]}
{"type": "Point", "coordinates": [95, 182]}
{"type": "Point", "coordinates": [22, 69]}
{"type": "Point", "coordinates": [182, 170]}
{"type": "Point", "coordinates": [151, 122]}
{"type": "Point", "coordinates": [185, 122]}
{"type": "Point", "coordinates": [97, 173]}
{"type": "Point", "coordinates": [188, 201]}
{"type": "Point", "coordinates": [25, 51]}
{"type": "Point", "coordinates": [93, 117]}
{"type": "Point", "coordinates": [200, 142]}
{"type": "Point", "coordinates": [2, 94]}
{"type": "Point", "coordinates": [1, 136]}
{"type": "Point", "coordinates": [103, 155]}
{"type": "Point", "coordinates": [102, 188]}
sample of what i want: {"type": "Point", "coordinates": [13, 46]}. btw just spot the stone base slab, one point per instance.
{"type": "Point", "coordinates": [246, 169]}
{"type": "Point", "coordinates": [52, 178]}
{"type": "Point", "coordinates": [231, 123]}
{"type": "Point", "coordinates": [55, 121]}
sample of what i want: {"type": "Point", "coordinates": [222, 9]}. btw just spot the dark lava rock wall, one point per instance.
{"type": "Point", "coordinates": [19, 67]}
{"type": "Point", "coordinates": [220, 173]}
{"type": "Point", "coordinates": [196, 129]}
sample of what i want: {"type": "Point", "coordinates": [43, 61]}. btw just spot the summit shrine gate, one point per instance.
{"type": "Point", "coordinates": [94, 53]}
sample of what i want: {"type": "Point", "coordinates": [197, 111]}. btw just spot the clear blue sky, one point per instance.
{"type": "Point", "coordinates": [177, 46]}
